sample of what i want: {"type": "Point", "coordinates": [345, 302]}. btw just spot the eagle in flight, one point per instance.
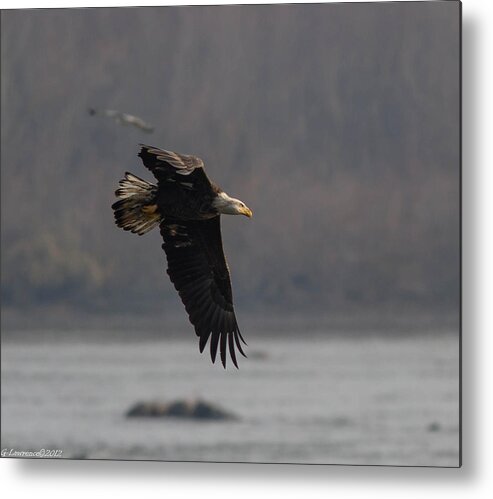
{"type": "Point", "coordinates": [187, 206]}
{"type": "Point", "coordinates": [123, 119]}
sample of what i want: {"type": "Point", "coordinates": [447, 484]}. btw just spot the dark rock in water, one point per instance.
{"type": "Point", "coordinates": [434, 426]}
{"type": "Point", "coordinates": [258, 355]}
{"type": "Point", "coordinates": [340, 422]}
{"type": "Point", "coordinates": [187, 409]}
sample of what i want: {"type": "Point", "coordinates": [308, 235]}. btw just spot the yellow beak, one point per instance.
{"type": "Point", "coordinates": [247, 212]}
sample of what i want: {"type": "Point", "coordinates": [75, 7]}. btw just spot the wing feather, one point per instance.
{"type": "Point", "coordinates": [223, 350]}
{"type": "Point", "coordinates": [168, 166]}
{"type": "Point", "coordinates": [238, 344]}
{"type": "Point", "coordinates": [200, 274]}
{"type": "Point", "coordinates": [232, 353]}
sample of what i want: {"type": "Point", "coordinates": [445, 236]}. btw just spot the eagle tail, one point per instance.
{"type": "Point", "coordinates": [136, 210]}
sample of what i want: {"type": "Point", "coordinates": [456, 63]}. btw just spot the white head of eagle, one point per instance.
{"type": "Point", "coordinates": [231, 206]}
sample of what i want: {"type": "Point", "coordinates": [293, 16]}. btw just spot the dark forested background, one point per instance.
{"type": "Point", "coordinates": [337, 124]}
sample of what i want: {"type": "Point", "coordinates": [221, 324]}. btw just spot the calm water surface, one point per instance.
{"type": "Point", "coordinates": [355, 400]}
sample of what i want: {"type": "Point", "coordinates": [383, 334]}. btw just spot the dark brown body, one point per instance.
{"type": "Point", "coordinates": [178, 200]}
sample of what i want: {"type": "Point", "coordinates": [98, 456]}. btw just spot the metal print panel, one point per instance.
{"type": "Point", "coordinates": [232, 233]}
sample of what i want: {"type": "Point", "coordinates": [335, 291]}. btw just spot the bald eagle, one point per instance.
{"type": "Point", "coordinates": [123, 119]}
{"type": "Point", "coordinates": [187, 206]}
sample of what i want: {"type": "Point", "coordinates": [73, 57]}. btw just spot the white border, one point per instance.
{"type": "Point", "coordinates": [129, 3]}
{"type": "Point", "coordinates": [79, 479]}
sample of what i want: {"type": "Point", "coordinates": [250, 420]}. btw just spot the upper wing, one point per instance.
{"type": "Point", "coordinates": [168, 166]}
{"type": "Point", "coordinates": [130, 119]}
{"type": "Point", "coordinates": [197, 267]}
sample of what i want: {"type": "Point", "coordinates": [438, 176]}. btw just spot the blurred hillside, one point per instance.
{"type": "Point", "coordinates": [337, 124]}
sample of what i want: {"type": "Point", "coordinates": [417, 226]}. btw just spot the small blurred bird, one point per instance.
{"type": "Point", "coordinates": [123, 118]}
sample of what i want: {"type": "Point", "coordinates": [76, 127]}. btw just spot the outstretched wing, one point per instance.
{"type": "Point", "coordinates": [130, 119]}
{"type": "Point", "coordinates": [168, 166]}
{"type": "Point", "coordinates": [198, 269]}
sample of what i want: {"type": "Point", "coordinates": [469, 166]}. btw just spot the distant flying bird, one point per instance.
{"type": "Point", "coordinates": [123, 119]}
{"type": "Point", "coordinates": [187, 207]}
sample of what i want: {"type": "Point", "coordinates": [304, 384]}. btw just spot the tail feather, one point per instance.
{"type": "Point", "coordinates": [136, 210]}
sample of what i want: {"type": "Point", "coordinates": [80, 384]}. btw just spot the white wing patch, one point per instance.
{"type": "Point", "coordinates": [177, 230]}
{"type": "Point", "coordinates": [184, 172]}
{"type": "Point", "coordinates": [182, 244]}
{"type": "Point", "coordinates": [184, 164]}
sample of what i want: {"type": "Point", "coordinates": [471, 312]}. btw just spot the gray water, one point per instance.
{"type": "Point", "coordinates": [364, 399]}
